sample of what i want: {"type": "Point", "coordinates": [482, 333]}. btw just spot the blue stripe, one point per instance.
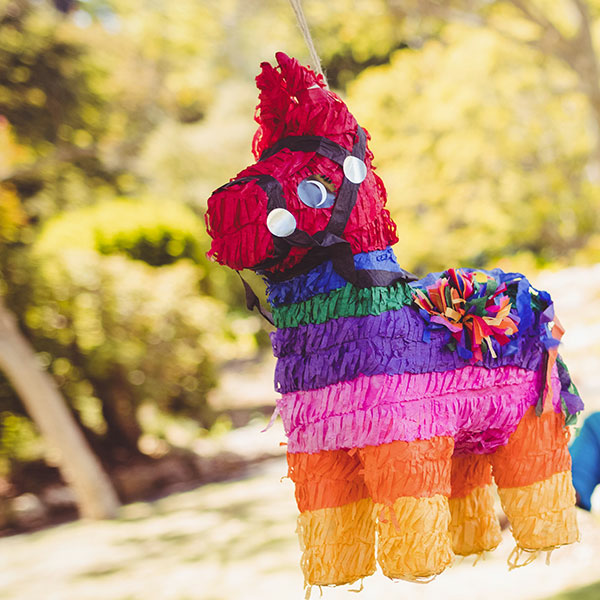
{"type": "Point", "coordinates": [323, 279]}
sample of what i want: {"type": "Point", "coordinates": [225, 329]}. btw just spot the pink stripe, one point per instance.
{"type": "Point", "coordinates": [369, 411]}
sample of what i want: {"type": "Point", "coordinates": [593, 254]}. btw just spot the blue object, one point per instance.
{"type": "Point", "coordinates": [585, 454]}
{"type": "Point", "coordinates": [323, 279]}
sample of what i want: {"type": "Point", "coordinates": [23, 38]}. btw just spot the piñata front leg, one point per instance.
{"type": "Point", "coordinates": [474, 526]}
{"type": "Point", "coordinates": [410, 483]}
{"type": "Point", "coordinates": [336, 525]}
{"type": "Point", "coordinates": [534, 482]}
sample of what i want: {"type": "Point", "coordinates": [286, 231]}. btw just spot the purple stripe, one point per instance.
{"type": "Point", "coordinates": [479, 408]}
{"type": "Point", "coordinates": [314, 356]}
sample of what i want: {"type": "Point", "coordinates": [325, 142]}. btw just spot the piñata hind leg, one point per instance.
{"type": "Point", "coordinates": [409, 483]}
{"type": "Point", "coordinates": [474, 526]}
{"type": "Point", "coordinates": [534, 482]}
{"type": "Point", "coordinates": [336, 526]}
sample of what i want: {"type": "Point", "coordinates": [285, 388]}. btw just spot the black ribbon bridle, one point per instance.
{"type": "Point", "coordinates": [327, 244]}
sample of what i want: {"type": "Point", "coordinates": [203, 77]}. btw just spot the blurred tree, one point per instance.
{"type": "Point", "coordinates": [101, 325]}
{"type": "Point", "coordinates": [79, 467]}
{"type": "Point", "coordinates": [484, 144]}
{"type": "Point", "coordinates": [107, 322]}
{"type": "Point", "coordinates": [560, 30]}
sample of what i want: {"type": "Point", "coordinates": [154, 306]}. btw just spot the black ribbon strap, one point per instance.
{"type": "Point", "coordinates": [309, 143]}
{"type": "Point", "coordinates": [253, 302]}
{"type": "Point", "coordinates": [346, 198]}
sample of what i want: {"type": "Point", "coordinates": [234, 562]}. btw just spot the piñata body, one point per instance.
{"type": "Point", "coordinates": [404, 401]}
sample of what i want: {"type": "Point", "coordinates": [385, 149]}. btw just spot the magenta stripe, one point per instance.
{"type": "Point", "coordinates": [479, 407]}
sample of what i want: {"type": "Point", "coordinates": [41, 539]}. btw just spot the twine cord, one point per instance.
{"type": "Point", "coordinates": [303, 25]}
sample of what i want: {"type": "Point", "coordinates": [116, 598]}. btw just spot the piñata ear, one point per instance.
{"type": "Point", "coordinates": [279, 90]}
{"type": "Point", "coordinates": [273, 105]}
{"type": "Point", "coordinates": [297, 78]}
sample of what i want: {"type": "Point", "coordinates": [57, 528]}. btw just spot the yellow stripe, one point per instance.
{"type": "Point", "coordinates": [542, 515]}
{"type": "Point", "coordinates": [338, 544]}
{"type": "Point", "coordinates": [414, 542]}
{"type": "Point", "coordinates": [474, 526]}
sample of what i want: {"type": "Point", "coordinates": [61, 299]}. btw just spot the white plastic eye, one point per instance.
{"type": "Point", "coordinates": [314, 194]}
{"type": "Point", "coordinates": [281, 222]}
{"type": "Point", "coordinates": [355, 169]}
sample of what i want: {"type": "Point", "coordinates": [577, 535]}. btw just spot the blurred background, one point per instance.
{"type": "Point", "coordinates": [131, 372]}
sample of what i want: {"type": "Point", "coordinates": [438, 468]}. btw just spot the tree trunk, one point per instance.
{"type": "Point", "coordinates": [118, 410]}
{"type": "Point", "coordinates": [38, 392]}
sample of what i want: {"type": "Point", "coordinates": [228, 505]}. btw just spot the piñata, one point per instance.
{"type": "Point", "coordinates": [403, 400]}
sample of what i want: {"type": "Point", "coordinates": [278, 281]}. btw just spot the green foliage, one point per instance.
{"type": "Point", "coordinates": [156, 232]}
{"type": "Point", "coordinates": [19, 441]}
{"type": "Point", "coordinates": [475, 151]}
{"type": "Point", "coordinates": [587, 592]}
{"type": "Point", "coordinates": [43, 81]}
{"type": "Point", "coordinates": [106, 320]}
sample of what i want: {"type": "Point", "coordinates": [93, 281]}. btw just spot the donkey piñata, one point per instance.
{"type": "Point", "coordinates": [403, 400]}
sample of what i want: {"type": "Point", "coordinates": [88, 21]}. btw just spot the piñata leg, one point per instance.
{"type": "Point", "coordinates": [336, 525]}
{"type": "Point", "coordinates": [474, 526]}
{"type": "Point", "coordinates": [534, 482]}
{"type": "Point", "coordinates": [409, 483]}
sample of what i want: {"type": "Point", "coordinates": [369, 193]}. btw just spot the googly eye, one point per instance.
{"type": "Point", "coordinates": [314, 194]}
{"type": "Point", "coordinates": [354, 169]}
{"type": "Point", "coordinates": [281, 222]}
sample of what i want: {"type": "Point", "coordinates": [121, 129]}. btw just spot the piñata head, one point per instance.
{"type": "Point", "coordinates": [312, 188]}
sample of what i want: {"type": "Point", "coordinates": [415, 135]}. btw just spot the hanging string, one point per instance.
{"type": "Point", "coordinates": [297, 6]}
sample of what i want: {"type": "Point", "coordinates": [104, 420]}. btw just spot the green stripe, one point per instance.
{"type": "Point", "coordinates": [348, 301]}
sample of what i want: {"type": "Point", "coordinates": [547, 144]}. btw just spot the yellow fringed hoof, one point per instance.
{"type": "Point", "coordinates": [474, 527]}
{"type": "Point", "coordinates": [414, 542]}
{"type": "Point", "coordinates": [338, 544]}
{"type": "Point", "coordinates": [542, 515]}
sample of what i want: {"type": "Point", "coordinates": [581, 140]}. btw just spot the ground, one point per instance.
{"type": "Point", "coordinates": [236, 540]}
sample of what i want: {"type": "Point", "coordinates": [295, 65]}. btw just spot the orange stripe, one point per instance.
{"type": "Point", "coordinates": [327, 479]}
{"type": "Point", "coordinates": [420, 468]}
{"type": "Point", "coordinates": [535, 451]}
{"type": "Point", "coordinates": [468, 473]}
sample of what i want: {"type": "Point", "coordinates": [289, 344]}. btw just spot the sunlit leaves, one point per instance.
{"type": "Point", "coordinates": [483, 149]}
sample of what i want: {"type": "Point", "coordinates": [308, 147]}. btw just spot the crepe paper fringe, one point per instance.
{"type": "Point", "coordinates": [418, 389]}
{"type": "Point", "coordinates": [326, 479]}
{"type": "Point", "coordinates": [571, 400]}
{"type": "Point", "coordinates": [323, 279]}
{"type": "Point", "coordinates": [474, 527]}
{"type": "Point", "coordinates": [480, 420]}
{"type": "Point", "coordinates": [419, 469]}
{"type": "Point", "coordinates": [348, 301]}
{"type": "Point", "coordinates": [338, 544]}
{"type": "Point", "coordinates": [469, 471]}
{"type": "Point", "coordinates": [536, 451]}
{"type": "Point", "coordinates": [542, 515]}
{"type": "Point", "coordinates": [309, 589]}
{"type": "Point", "coordinates": [517, 553]}
{"type": "Point", "coordinates": [414, 541]}
{"type": "Point", "coordinates": [316, 360]}
{"type": "Point", "coordinates": [306, 339]}
{"type": "Point", "coordinates": [514, 558]}
{"type": "Point", "coordinates": [472, 307]}
{"type": "Point", "coordinates": [360, 589]}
